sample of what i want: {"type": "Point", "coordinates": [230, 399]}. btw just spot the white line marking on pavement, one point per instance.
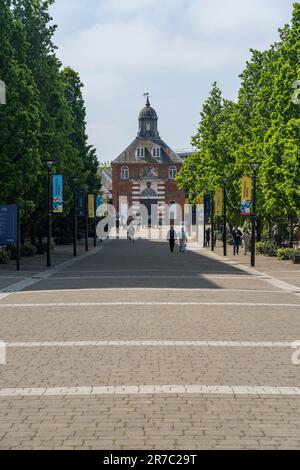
{"type": "Point", "coordinates": [3, 296]}
{"type": "Point", "coordinates": [35, 278]}
{"type": "Point", "coordinates": [150, 390]}
{"type": "Point", "coordinates": [120, 304]}
{"type": "Point", "coordinates": [213, 344]}
{"type": "Point", "coordinates": [158, 289]}
{"type": "Point", "coordinates": [138, 276]}
{"type": "Point", "coordinates": [260, 275]}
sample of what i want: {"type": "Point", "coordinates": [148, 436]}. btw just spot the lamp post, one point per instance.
{"type": "Point", "coordinates": [49, 165]}
{"type": "Point", "coordinates": [212, 222]}
{"type": "Point", "coordinates": [75, 230]}
{"type": "Point", "coordinates": [254, 166]}
{"type": "Point", "coordinates": [224, 181]}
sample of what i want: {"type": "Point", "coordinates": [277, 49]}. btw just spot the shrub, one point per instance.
{"type": "Point", "coordinates": [267, 248]}
{"type": "Point", "coordinates": [4, 257]}
{"type": "Point", "coordinates": [285, 253]}
{"type": "Point", "coordinates": [28, 250]}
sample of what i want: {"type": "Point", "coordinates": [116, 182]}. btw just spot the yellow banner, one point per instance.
{"type": "Point", "coordinates": [104, 204]}
{"type": "Point", "coordinates": [200, 200]}
{"type": "Point", "coordinates": [246, 188]}
{"type": "Point", "coordinates": [91, 206]}
{"type": "Point", "coordinates": [219, 201]}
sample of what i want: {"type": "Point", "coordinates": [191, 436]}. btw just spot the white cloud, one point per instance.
{"type": "Point", "coordinates": [135, 45]}
{"type": "Point", "coordinates": [235, 16]}
{"type": "Point", "coordinates": [173, 48]}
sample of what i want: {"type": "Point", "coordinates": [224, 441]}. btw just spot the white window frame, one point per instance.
{"type": "Point", "coordinates": [156, 152]}
{"type": "Point", "coordinates": [124, 173]}
{"type": "Point", "coordinates": [172, 172]}
{"type": "Point", "coordinates": [140, 152]}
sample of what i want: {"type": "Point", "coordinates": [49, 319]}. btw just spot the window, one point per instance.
{"type": "Point", "coordinates": [156, 152]}
{"type": "Point", "coordinates": [124, 173]}
{"type": "Point", "coordinates": [140, 152]}
{"type": "Point", "coordinates": [148, 126]}
{"type": "Point", "coordinates": [172, 172]}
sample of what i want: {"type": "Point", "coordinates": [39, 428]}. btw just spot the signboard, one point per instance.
{"type": "Point", "coordinates": [58, 203]}
{"type": "Point", "coordinates": [219, 201]}
{"type": "Point", "coordinates": [91, 206]}
{"type": "Point", "coordinates": [246, 195]}
{"type": "Point", "coordinates": [81, 203]}
{"type": "Point", "coordinates": [8, 224]}
{"type": "Point", "coordinates": [2, 92]}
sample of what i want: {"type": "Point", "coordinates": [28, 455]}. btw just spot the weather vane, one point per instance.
{"type": "Point", "coordinates": [147, 102]}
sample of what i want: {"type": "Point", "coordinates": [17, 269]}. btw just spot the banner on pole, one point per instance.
{"type": "Point", "coordinates": [207, 205]}
{"type": "Point", "coordinates": [2, 92]}
{"type": "Point", "coordinates": [81, 203]}
{"type": "Point", "coordinates": [91, 206]}
{"type": "Point", "coordinates": [219, 202]}
{"type": "Point", "coordinates": [58, 204]}
{"type": "Point", "coordinates": [246, 195]}
{"type": "Point", "coordinates": [199, 200]}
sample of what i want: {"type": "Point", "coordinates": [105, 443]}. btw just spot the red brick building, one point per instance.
{"type": "Point", "coordinates": [145, 172]}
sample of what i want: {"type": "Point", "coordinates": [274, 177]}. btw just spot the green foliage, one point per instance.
{"type": "Point", "coordinates": [267, 248]}
{"type": "Point", "coordinates": [44, 117]}
{"type": "Point", "coordinates": [4, 257]}
{"type": "Point", "coordinates": [263, 126]}
{"type": "Point", "coordinates": [285, 253]}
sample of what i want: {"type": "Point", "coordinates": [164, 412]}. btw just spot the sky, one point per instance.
{"type": "Point", "coordinates": [173, 49]}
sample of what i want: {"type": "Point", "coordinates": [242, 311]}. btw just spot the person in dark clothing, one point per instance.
{"type": "Point", "coordinates": [172, 238]}
{"type": "Point", "coordinates": [207, 237]}
{"type": "Point", "coordinates": [237, 236]}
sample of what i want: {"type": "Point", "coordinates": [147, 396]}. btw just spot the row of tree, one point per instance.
{"type": "Point", "coordinates": [262, 126]}
{"type": "Point", "coordinates": [44, 117]}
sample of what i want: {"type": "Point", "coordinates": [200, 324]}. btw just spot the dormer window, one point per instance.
{"type": "Point", "coordinates": [140, 152]}
{"type": "Point", "coordinates": [156, 152]}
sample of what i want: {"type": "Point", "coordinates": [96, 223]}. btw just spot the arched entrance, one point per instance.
{"type": "Point", "coordinates": [149, 199]}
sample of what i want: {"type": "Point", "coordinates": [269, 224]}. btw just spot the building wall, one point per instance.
{"type": "Point", "coordinates": [166, 188]}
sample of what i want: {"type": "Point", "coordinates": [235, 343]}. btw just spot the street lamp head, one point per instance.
{"type": "Point", "coordinates": [254, 165]}
{"type": "Point", "coordinates": [49, 164]}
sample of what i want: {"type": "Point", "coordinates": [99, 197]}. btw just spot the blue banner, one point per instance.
{"type": "Point", "coordinates": [207, 205]}
{"type": "Point", "coordinates": [81, 203]}
{"type": "Point", "coordinates": [58, 204]}
{"type": "Point", "coordinates": [99, 201]}
{"type": "Point", "coordinates": [8, 224]}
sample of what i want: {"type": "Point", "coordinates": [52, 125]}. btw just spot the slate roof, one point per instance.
{"type": "Point", "coordinates": [129, 154]}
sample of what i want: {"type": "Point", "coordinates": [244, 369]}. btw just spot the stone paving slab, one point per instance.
{"type": "Point", "coordinates": [147, 365]}
{"type": "Point", "coordinates": [150, 422]}
{"type": "Point", "coordinates": [179, 420]}
{"type": "Point", "coordinates": [148, 323]}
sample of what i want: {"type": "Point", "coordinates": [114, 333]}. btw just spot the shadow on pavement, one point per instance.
{"type": "Point", "coordinates": [142, 264]}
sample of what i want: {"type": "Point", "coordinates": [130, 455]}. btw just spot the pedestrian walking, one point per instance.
{"type": "Point", "coordinates": [246, 240]}
{"type": "Point", "coordinates": [172, 236]}
{"type": "Point", "coordinates": [236, 235]}
{"type": "Point", "coordinates": [207, 237]}
{"type": "Point", "coordinates": [276, 234]}
{"type": "Point", "coordinates": [182, 240]}
{"type": "Point", "coordinates": [131, 233]}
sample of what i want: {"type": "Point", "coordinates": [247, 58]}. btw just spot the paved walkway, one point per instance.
{"type": "Point", "coordinates": [132, 347]}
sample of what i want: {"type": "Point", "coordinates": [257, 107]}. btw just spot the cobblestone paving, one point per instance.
{"type": "Point", "coordinates": [140, 396]}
